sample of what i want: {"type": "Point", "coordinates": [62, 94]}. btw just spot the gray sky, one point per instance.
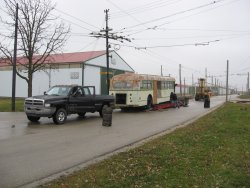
{"type": "Point", "coordinates": [169, 30]}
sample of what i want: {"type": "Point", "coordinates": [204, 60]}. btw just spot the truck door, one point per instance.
{"type": "Point", "coordinates": [86, 100]}
{"type": "Point", "coordinates": [80, 100]}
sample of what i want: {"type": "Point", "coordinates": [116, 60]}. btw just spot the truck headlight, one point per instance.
{"type": "Point", "coordinates": [47, 105]}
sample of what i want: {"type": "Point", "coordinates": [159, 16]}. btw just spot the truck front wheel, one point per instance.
{"type": "Point", "coordinates": [60, 116]}
{"type": "Point", "coordinates": [33, 118]}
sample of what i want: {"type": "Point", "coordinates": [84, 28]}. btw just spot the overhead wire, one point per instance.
{"type": "Point", "coordinates": [146, 7]}
{"type": "Point", "coordinates": [191, 37]}
{"type": "Point", "coordinates": [174, 45]}
{"type": "Point", "coordinates": [200, 12]}
{"type": "Point", "coordinates": [163, 59]}
{"type": "Point", "coordinates": [177, 13]}
{"type": "Point", "coordinates": [77, 18]}
{"type": "Point", "coordinates": [157, 27]}
{"type": "Point", "coordinates": [134, 18]}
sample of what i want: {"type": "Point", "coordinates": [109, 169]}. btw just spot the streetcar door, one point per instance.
{"type": "Point", "coordinates": [155, 92]}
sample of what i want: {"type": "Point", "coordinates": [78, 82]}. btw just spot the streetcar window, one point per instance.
{"type": "Point", "coordinates": [146, 84]}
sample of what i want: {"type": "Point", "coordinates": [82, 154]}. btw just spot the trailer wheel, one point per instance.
{"type": "Point", "coordinates": [33, 118]}
{"type": "Point", "coordinates": [60, 116]}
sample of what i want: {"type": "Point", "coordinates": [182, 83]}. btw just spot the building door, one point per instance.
{"type": "Point", "coordinates": [112, 72]}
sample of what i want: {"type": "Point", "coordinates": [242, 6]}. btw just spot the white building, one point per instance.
{"type": "Point", "coordinates": [81, 68]}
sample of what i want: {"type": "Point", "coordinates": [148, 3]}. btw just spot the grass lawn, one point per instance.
{"type": "Point", "coordinates": [5, 104]}
{"type": "Point", "coordinates": [244, 96]}
{"type": "Point", "coordinates": [211, 152]}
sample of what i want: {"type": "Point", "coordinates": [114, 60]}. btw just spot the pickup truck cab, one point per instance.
{"type": "Point", "coordinates": [62, 100]}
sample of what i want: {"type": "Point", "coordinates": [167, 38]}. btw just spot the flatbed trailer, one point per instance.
{"type": "Point", "coordinates": [183, 101]}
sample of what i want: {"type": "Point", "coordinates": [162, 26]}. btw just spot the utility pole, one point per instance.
{"type": "Point", "coordinates": [180, 79]}
{"type": "Point", "coordinates": [161, 71]}
{"type": "Point", "coordinates": [248, 92]}
{"type": "Point", "coordinates": [105, 33]}
{"type": "Point", "coordinates": [192, 79]}
{"type": "Point", "coordinates": [193, 87]}
{"type": "Point", "coordinates": [227, 81]}
{"type": "Point", "coordinates": [13, 108]}
{"type": "Point", "coordinates": [107, 47]}
{"type": "Point", "coordinates": [205, 77]}
{"type": "Point", "coordinates": [184, 87]}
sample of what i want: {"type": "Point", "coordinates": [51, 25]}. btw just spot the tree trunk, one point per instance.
{"type": "Point", "coordinates": [30, 85]}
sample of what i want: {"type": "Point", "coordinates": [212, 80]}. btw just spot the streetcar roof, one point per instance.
{"type": "Point", "coordinates": [133, 76]}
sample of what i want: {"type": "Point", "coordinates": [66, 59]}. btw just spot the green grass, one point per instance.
{"type": "Point", "coordinates": [5, 104]}
{"type": "Point", "coordinates": [211, 152]}
{"type": "Point", "coordinates": [244, 96]}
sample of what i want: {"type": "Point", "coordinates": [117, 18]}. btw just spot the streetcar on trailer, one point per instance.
{"type": "Point", "coordinates": [141, 90]}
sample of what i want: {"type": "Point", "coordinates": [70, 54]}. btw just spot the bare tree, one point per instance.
{"type": "Point", "coordinates": [40, 35]}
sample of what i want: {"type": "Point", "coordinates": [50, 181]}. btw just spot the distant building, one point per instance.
{"type": "Point", "coordinates": [81, 68]}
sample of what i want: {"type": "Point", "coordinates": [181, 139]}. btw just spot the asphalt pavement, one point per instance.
{"type": "Point", "coordinates": [30, 152]}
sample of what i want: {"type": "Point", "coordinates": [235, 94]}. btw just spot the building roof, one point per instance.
{"type": "Point", "coordinates": [64, 58]}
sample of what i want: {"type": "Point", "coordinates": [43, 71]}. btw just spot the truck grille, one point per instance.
{"type": "Point", "coordinates": [120, 98]}
{"type": "Point", "coordinates": [34, 102]}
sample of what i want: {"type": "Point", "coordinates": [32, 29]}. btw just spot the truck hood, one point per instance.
{"type": "Point", "coordinates": [47, 98]}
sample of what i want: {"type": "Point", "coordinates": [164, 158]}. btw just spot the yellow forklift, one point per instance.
{"type": "Point", "coordinates": [201, 89]}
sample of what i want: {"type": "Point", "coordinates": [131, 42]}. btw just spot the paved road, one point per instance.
{"type": "Point", "coordinates": [30, 152]}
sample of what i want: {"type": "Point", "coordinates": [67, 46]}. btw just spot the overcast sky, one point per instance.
{"type": "Point", "coordinates": [197, 34]}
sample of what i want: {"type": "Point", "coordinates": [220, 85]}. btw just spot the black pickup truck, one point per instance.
{"type": "Point", "coordinates": [60, 101]}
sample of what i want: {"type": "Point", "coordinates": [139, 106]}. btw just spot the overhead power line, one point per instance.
{"type": "Point", "coordinates": [146, 7]}
{"type": "Point", "coordinates": [197, 13]}
{"type": "Point", "coordinates": [168, 46]}
{"type": "Point", "coordinates": [157, 27]}
{"type": "Point", "coordinates": [174, 14]}
{"type": "Point", "coordinates": [134, 18]}
{"type": "Point", "coordinates": [76, 18]}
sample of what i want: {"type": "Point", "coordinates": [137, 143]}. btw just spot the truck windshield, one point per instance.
{"type": "Point", "coordinates": [58, 90]}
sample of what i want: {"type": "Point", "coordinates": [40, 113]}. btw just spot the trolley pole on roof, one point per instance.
{"type": "Point", "coordinates": [13, 107]}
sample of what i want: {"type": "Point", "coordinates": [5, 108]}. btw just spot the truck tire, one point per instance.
{"type": "Point", "coordinates": [60, 116]}
{"type": "Point", "coordinates": [33, 118]}
{"type": "Point", "coordinates": [82, 114]}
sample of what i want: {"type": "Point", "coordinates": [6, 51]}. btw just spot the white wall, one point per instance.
{"type": "Point", "coordinates": [115, 62]}
{"type": "Point", "coordinates": [5, 83]}
{"type": "Point", "coordinates": [58, 77]}
{"type": "Point", "coordinates": [41, 80]}
{"type": "Point", "coordinates": [92, 77]}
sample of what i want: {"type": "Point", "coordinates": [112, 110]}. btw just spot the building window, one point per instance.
{"type": "Point", "coordinates": [74, 75]}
